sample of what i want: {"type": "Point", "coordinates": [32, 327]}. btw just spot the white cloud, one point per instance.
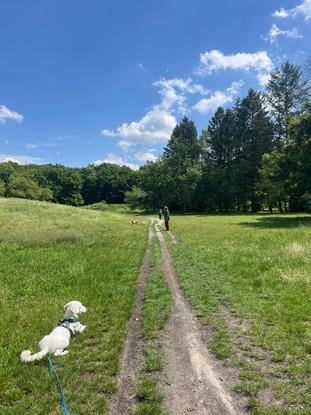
{"type": "Point", "coordinates": [145, 156]}
{"type": "Point", "coordinates": [108, 133]}
{"type": "Point", "coordinates": [114, 159]}
{"type": "Point", "coordinates": [157, 124]}
{"type": "Point", "coordinates": [154, 127]}
{"type": "Point", "coordinates": [7, 114]}
{"type": "Point", "coordinates": [215, 61]}
{"type": "Point", "coordinates": [282, 13]}
{"type": "Point", "coordinates": [303, 9]}
{"type": "Point", "coordinates": [218, 99]}
{"type": "Point", "coordinates": [20, 159]}
{"type": "Point", "coordinates": [275, 32]}
{"type": "Point", "coordinates": [173, 92]}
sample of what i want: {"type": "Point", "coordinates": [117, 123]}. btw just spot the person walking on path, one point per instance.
{"type": "Point", "coordinates": [160, 213]}
{"type": "Point", "coordinates": [166, 215]}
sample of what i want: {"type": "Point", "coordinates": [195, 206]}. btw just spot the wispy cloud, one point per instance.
{"type": "Point", "coordinates": [142, 67]}
{"type": "Point", "coordinates": [145, 156]}
{"type": "Point", "coordinates": [20, 159]}
{"type": "Point", "coordinates": [275, 32]}
{"type": "Point", "coordinates": [114, 159]}
{"type": "Point", "coordinates": [65, 137]}
{"type": "Point", "coordinates": [215, 60]}
{"type": "Point", "coordinates": [7, 114]}
{"type": "Point", "coordinates": [108, 133]}
{"type": "Point", "coordinates": [219, 98]}
{"type": "Point", "coordinates": [303, 9]}
{"type": "Point", "coordinates": [173, 92]}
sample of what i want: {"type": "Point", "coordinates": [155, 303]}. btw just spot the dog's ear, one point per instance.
{"type": "Point", "coordinates": [66, 306]}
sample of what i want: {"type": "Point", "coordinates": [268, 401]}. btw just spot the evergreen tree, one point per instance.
{"type": "Point", "coordinates": [184, 141]}
{"type": "Point", "coordinates": [254, 135]}
{"type": "Point", "coordinates": [181, 164]}
{"type": "Point", "coordinates": [220, 157]}
{"type": "Point", "coordinates": [287, 92]}
{"type": "Point", "coordinates": [297, 162]}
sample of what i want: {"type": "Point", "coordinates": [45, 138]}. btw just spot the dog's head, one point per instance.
{"type": "Point", "coordinates": [74, 308]}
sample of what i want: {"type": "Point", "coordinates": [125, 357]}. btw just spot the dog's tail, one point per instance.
{"type": "Point", "coordinates": [26, 355]}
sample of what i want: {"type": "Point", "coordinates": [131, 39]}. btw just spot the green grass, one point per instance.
{"type": "Point", "coordinates": [49, 255]}
{"type": "Point", "coordinates": [150, 399]}
{"type": "Point", "coordinates": [156, 311]}
{"type": "Point", "coordinates": [249, 278]}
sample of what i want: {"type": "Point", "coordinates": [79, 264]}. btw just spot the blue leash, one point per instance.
{"type": "Point", "coordinates": [62, 399]}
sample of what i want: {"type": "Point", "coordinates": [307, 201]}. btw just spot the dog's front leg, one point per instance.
{"type": "Point", "coordinates": [81, 328]}
{"type": "Point", "coordinates": [61, 352]}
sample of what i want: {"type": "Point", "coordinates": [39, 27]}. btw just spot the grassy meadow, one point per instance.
{"type": "Point", "coordinates": [249, 278]}
{"type": "Point", "coordinates": [49, 255]}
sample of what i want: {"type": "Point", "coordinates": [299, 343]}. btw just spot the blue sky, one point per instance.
{"type": "Point", "coordinates": [91, 81]}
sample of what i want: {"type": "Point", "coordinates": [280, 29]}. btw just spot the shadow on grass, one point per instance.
{"type": "Point", "coordinates": [278, 222]}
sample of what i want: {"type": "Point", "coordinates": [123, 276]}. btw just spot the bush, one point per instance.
{"type": "Point", "coordinates": [102, 206]}
{"type": "Point", "coordinates": [19, 186]}
{"type": "Point", "coordinates": [135, 198]}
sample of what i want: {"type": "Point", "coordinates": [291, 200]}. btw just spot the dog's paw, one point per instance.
{"type": "Point", "coordinates": [61, 352]}
{"type": "Point", "coordinates": [82, 328]}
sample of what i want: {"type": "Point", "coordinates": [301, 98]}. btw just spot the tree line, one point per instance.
{"type": "Point", "coordinates": [255, 155]}
{"type": "Point", "coordinates": [72, 186]}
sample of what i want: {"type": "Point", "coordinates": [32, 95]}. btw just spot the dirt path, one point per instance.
{"type": "Point", "coordinates": [160, 224]}
{"type": "Point", "coordinates": [131, 361]}
{"type": "Point", "coordinates": [194, 382]}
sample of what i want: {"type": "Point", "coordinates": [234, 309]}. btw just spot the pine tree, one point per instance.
{"type": "Point", "coordinates": [254, 134]}
{"type": "Point", "coordinates": [287, 92]}
{"type": "Point", "coordinates": [220, 156]}
{"type": "Point", "coordinates": [181, 164]}
{"type": "Point", "coordinates": [184, 141]}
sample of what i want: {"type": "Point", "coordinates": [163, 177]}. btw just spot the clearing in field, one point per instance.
{"type": "Point", "coordinates": [220, 324]}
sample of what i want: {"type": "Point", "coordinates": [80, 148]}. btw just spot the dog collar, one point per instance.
{"type": "Point", "coordinates": [69, 320]}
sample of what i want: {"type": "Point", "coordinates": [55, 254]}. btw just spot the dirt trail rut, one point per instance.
{"type": "Point", "coordinates": [130, 365]}
{"type": "Point", "coordinates": [193, 382]}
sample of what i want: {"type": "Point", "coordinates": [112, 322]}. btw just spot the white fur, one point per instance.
{"type": "Point", "coordinates": [57, 341]}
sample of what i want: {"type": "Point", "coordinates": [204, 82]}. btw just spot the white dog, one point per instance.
{"type": "Point", "coordinates": [57, 341]}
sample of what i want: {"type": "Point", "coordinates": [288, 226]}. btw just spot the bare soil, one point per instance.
{"type": "Point", "coordinates": [131, 361]}
{"type": "Point", "coordinates": [194, 381]}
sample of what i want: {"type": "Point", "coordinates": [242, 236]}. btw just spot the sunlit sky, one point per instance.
{"type": "Point", "coordinates": [107, 80]}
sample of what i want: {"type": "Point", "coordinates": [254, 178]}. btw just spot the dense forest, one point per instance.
{"type": "Point", "coordinates": [255, 155]}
